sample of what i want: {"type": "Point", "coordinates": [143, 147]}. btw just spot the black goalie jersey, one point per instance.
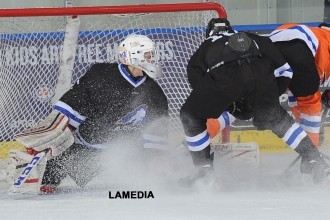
{"type": "Point", "coordinates": [108, 102]}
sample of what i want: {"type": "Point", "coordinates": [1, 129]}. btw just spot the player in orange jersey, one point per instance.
{"type": "Point", "coordinates": [310, 68]}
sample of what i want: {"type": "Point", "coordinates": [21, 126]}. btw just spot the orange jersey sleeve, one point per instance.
{"type": "Point", "coordinates": [318, 37]}
{"type": "Point", "coordinates": [322, 56]}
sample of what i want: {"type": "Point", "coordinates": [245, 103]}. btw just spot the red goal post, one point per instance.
{"type": "Point", "coordinates": [33, 48]}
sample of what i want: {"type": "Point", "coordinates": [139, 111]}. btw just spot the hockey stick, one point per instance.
{"type": "Point", "coordinates": [286, 171]}
{"type": "Point", "coordinates": [70, 45]}
{"type": "Point", "coordinates": [325, 157]}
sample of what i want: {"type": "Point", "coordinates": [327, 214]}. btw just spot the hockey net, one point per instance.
{"type": "Point", "coordinates": [32, 42]}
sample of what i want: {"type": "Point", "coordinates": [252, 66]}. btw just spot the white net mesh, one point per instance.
{"type": "Point", "coordinates": [30, 51]}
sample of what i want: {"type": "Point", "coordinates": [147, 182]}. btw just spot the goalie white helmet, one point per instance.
{"type": "Point", "coordinates": [139, 51]}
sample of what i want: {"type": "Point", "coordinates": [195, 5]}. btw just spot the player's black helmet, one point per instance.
{"type": "Point", "coordinates": [324, 25]}
{"type": "Point", "coordinates": [218, 25]}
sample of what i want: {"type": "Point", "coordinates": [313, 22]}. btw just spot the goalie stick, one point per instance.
{"type": "Point", "coordinates": [286, 171]}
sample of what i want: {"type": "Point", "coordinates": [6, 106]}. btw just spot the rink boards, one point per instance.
{"type": "Point", "coordinates": [266, 140]}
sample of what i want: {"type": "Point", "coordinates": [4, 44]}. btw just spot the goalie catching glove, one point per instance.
{"type": "Point", "coordinates": [53, 133]}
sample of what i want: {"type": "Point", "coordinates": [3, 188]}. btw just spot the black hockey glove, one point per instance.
{"type": "Point", "coordinates": [325, 98]}
{"type": "Point", "coordinates": [240, 110]}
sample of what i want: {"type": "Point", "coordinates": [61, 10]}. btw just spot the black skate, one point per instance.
{"type": "Point", "coordinates": [202, 173]}
{"type": "Point", "coordinates": [305, 166]}
{"type": "Point", "coordinates": [320, 169]}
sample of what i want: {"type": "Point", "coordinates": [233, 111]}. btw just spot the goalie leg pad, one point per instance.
{"type": "Point", "coordinates": [81, 163]}
{"type": "Point", "coordinates": [29, 172]}
{"type": "Point", "coordinates": [7, 170]}
{"type": "Point", "coordinates": [55, 172]}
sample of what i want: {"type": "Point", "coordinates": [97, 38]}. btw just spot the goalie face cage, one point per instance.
{"type": "Point", "coordinates": [32, 44]}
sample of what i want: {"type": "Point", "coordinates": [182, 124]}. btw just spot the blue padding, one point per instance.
{"type": "Point", "coordinates": [258, 27]}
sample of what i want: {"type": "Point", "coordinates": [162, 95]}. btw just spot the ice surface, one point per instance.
{"type": "Point", "coordinates": [242, 195]}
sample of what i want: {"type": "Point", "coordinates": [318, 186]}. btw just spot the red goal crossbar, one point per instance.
{"type": "Point", "coordinates": [124, 9]}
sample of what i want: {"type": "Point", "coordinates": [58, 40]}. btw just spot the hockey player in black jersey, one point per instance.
{"type": "Point", "coordinates": [228, 67]}
{"type": "Point", "coordinates": [111, 100]}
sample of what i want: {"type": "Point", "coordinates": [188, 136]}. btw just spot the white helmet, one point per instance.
{"type": "Point", "coordinates": [139, 51]}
